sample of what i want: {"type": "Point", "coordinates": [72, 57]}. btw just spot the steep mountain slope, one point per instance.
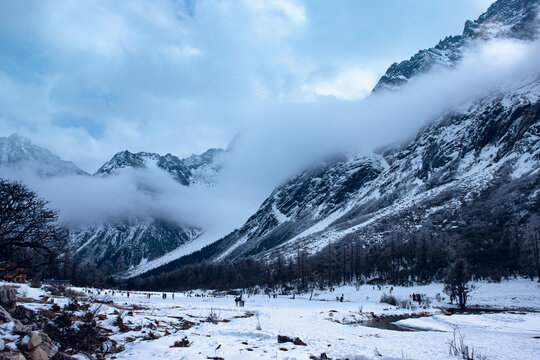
{"type": "Point", "coordinates": [127, 244]}
{"type": "Point", "coordinates": [508, 19]}
{"type": "Point", "coordinates": [485, 152]}
{"type": "Point", "coordinates": [495, 143]}
{"type": "Point", "coordinates": [302, 202]}
{"type": "Point", "coordinates": [17, 153]}
{"type": "Point", "coordinates": [450, 166]}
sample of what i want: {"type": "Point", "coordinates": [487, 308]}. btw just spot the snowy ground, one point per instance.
{"type": "Point", "coordinates": [326, 325]}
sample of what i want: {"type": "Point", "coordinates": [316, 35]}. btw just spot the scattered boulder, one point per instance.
{"type": "Point", "coordinates": [296, 341]}
{"type": "Point", "coordinates": [47, 345]}
{"type": "Point", "coordinates": [8, 298]}
{"type": "Point", "coordinates": [5, 317]}
{"type": "Point", "coordinates": [182, 343]}
{"type": "Point", "coordinates": [38, 354]}
{"type": "Point", "coordinates": [19, 328]}
{"type": "Point", "coordinates": [283, 339]}
{"type": "Point", "coordinates": [322, 357]}
{"type": "Point", "coordinates": [11, 356]}
{"type": "Point", "coordinates": [30, 341]}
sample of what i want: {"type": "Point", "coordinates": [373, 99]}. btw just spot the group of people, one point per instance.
{"type": "Point", "coordinates": [416, 297]}
{"type": "Point", "coordinates": [238, 300]}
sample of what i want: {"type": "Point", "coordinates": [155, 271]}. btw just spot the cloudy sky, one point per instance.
{"type": "Point", "coordinates": [86, 79]}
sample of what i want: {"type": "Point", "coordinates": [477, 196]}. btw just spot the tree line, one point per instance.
{"type": "Point", "coordinates": [494, 247]}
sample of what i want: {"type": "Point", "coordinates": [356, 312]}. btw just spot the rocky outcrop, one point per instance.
{"type": "Point", "coordinates": [17, 341]}
{"type": "Point", "coordinates": [8, 298]}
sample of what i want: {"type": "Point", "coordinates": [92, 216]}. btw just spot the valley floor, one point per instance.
{"type": "Point", "coordinates": [357, 328]}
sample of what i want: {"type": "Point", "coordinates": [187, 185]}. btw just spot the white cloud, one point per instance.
{"type": "Point", "coordinates": [275, 19]}
{"type": "Point", "coordinates": [352, 84]}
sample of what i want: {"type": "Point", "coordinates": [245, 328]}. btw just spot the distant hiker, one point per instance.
{"type": "Point", "coordinates": [341, 298]}
{"type": "Point", "coordinates": [128, 294]}
{"type": "Point", "coordinates": [173, 296]}
{"type": "Point", "coordinates": [238, 299]}
{"type": "Point", "coordinates": [438, 297]}
{"type": "Point", "coordinates": [391, 289]}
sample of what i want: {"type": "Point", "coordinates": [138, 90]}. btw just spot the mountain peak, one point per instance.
{"type": "Point", "coordinates": [504, 19]}
{"type": "Point", "coordinates": [18, 139]}
{"type": "Point", "coordinates": [194, 170]}
{"type": "Point", "coordinates": [17, 152]}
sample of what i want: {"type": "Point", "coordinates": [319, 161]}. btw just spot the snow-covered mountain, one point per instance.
{"type": "Point", "coordinates": [194, 170]}
{"type": "Point", "coordinates": [133, 242]}
{"type": "Point", "coordinates": [508, 19]}
{"type": "Point", "coordinates": [483, 158]}
{"type": "Point", "coordinates": [462, 160]}
{"type": "Point", "coordinates": [18, 153]}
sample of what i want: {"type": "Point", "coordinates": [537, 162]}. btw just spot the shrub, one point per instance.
{"type": "Point", "coordinates": [389, 299]}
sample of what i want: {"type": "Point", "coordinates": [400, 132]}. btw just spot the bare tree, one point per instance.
{"type": "Point", "coordinates": [29, 232]}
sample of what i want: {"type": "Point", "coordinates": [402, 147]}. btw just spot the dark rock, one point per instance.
{"type": "Point", "coordinates": [47, 345]}
{"type": "Point", "coordinates": [24, 315]}
{"type": "Point", "coordinates": [5, 317]}
{"type": "Point", "coordinates": [8, 298]}
{"type": "Point", "coordinates": [284, 339]}
{"type": "Point", "coordinates": [38, 354]}
{"type": "Point", "coordinates": [19, 328]}
{"type": "Point", "coordinates": [10, 355]}
{"type": "Point", "coordinates": [30, 341]}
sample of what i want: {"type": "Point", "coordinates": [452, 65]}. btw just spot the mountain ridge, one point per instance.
{"type": "Point", "coordinates": [508, 19]}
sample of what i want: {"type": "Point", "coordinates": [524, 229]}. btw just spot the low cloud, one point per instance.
{"type": "Point", "coordinates": [282, 140]}
{"type": "Point", "coordinates": [352, 84]}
